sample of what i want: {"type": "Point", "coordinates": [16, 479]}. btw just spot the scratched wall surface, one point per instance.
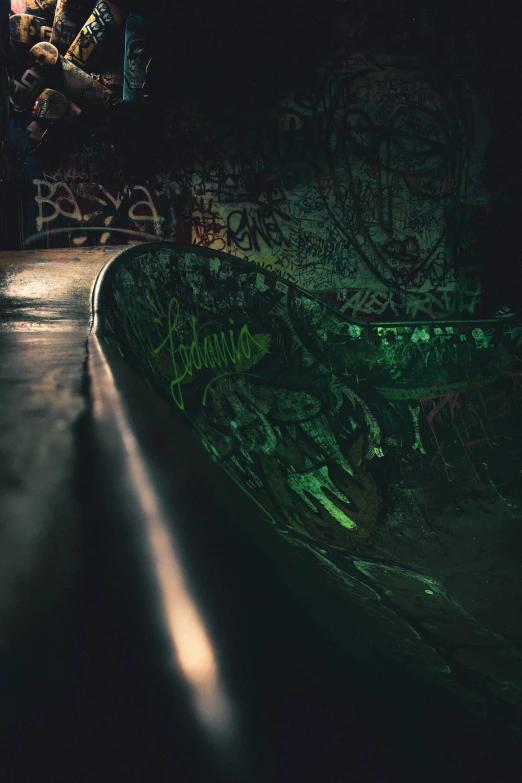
{"type": "Point", "coordinates": [364, 173]}
{"type": "Point", "coordinates": [360, 180]}
{"type": "Point", "coordinates": [390, 455]}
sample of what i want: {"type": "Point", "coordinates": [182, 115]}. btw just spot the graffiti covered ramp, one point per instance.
{"type": "Point", "coordinates": [90, 454]}
{"type": "Point", "coordinates": [389, 454]}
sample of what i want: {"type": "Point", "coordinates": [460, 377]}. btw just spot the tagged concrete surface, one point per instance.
{"type": "Point", "coordinates": [349, 437]}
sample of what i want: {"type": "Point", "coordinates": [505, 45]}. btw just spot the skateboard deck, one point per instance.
{"type": "Point", "coordinates": [77, 85]}
{"type": "Point", "coordinates": [51, 107]}
{"type": "Point", "coordinates": [44, 8]}
{"type": "Point", "coordinates": [65, 27]}
{"type": "Point", "coordinates": [26, 30]}
{"type": "Point", "coordinates": [104, 16]}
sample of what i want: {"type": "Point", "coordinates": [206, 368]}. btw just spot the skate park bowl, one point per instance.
{"type": "Point", "coordinates": [247, 597]}
{"type": "Point", "coordinates": [387, 457]}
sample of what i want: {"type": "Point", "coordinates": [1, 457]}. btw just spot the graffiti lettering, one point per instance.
{"type": "Point", "coordinates": [246, 228]}
{"type": "Point", "coordinates": [53, 195]}
{"type": "Point", "coordinates": [55, 203]}
{"type": "Point", "coordinates": [210, 352]}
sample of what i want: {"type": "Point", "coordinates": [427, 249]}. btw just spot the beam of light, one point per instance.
{"type": "Point", "coordinates": [192, 648]}
{"type": "Point", "coordinates": [48, 294]}
{"type": "Point", "coordinates": [29, 286]}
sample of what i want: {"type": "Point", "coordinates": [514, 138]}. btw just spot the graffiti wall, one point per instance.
{"type": "Point", "coordinates": [359, 180]}
{"type": "Point", "coordinates": [363, 444]}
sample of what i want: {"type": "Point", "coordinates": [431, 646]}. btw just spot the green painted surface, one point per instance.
{"type": "Point", "coordinates": [350, 437]}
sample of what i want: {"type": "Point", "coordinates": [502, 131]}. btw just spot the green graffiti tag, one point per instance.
{"type": "Point", "coordinates": [215, 350]}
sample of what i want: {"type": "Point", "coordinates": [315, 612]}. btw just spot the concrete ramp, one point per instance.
{"type": "Point", "coordinates": [245, 539]}
{"type": "Point", "coordinates": [389, 454]}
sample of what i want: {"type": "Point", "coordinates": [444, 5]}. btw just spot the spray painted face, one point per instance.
{"type": "Point", "coordinates": [400, 157]}
{"type": "Point", "coordinates": [138, 58]}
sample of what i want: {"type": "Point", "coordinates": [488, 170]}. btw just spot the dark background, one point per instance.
{"type": "Point", "coordinates": [324, 718]}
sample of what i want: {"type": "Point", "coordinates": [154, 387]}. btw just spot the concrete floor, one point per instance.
{"type": "Point", "coordinates": [43, 329]}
